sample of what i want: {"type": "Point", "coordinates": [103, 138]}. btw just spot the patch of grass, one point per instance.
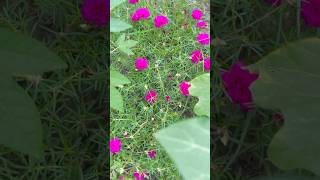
{"type": "Point", "coordinates": [72, 102]}
{"type": "Point", "coordinates": [168, 51]}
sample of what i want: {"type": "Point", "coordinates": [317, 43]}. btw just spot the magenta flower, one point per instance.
{"type": "Point", "coordinates": [152, 154]}
{"type": "Point", "coordinates": [237, 82]}
{"type": "Point", "coordinates": [95, 12]}
{"type": "Point", "coordinates": [168, 98]}
{"type": "Point", "coordinates": [274, 2]}
{"type": "Point", "coordinates": [196, 56]}
{"type": "Point", "coordinates": [115, 145]}
{"type": "Point", "coordinates": [133, 1]}
{"type": "Point", "coordinates": [139, 176]}
{"type": "Point", "coordinates": [203, 39]}
{"type": "Point", "coordinates": [310, 12]}
{"type": "Point", "coordinates": [207, 64]}
{"type": "Point", "coordinates": [151, 96]}
{"type": "Point", "coordinates": [141, 64]}
{"type": "Point", "coordinates": [140, 14]}
{"type": "Point", "coordinates": [160, 21]}
{"type": "Point", "coordinates": [196, 14]}
{"type": "Point", "coordinates": [184, 88]}
{"type": "Point", "coordinates": [201, 24]}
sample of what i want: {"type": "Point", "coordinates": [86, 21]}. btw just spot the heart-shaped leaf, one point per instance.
{"type": "Point", "coordinates": [188, 144]}
{"type": "Point", "coordinates": [200, 87]}
{"type": "Point", "coordinates": [117, 25]}
{"type": "Point", "coordinates": [126, 45]}
{"type": "Point", "coordinates": [116, 80]}
{"type": "Point", "coordinates": [20, 126]}
{"type": "Point", "coordinates": [289, 80]}
{"type": "Point", "coordinates": [115, 3]}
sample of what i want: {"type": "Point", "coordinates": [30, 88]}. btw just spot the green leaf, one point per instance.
{"type": "Point", "coordinates": [115, 3]}
{"type": "Point", "coordinates": [125, 45]}
{"type": "Point", "coordinates": [285, 177]}
{"type": "Point", "coordinates": [188, 144]}
{"type": "Point", "coordinates": [117, 25]}
{"type": "Point", "coordinates": [200, 87]}
{"type": "Point", "coordinates": [116, 79]}
{"type": "Point", "coordinates": [289, 80]}
{"type": "Point", "coordinates": [20, 126]}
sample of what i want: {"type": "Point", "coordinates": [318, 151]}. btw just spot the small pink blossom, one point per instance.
{"type": "Point", "coordinates": [310, 12]}
{"type": "Point", "coordinates": [152, 154]}
{"type": "Point", "coordinates": [168, 98]}
{"type": "Point", "coordinates": [237, 82]}
{"type": "Point", "coordinates": [207, 64]}
{"type": "Point", "coordinates": [196, 56]}
{"type": "Point", "coordinates": [139, 176]}
{"type": "Point", "coordinates": [196, 14]}
{"type": "Point", "coordinates": [133, 1]}
{"type": "Point", "coordinates": [201, 24]}
{"type": "Point", "coordinates": [203, 39]}
{"type": "Point", "coordinates": [139, 14]}
{"type": "Point", "coordinates": [95, 12]}
{"type": "Point", "coordinates": [151, 96]}
{"type": "Point", "coordinates": [160, 21]}
{"type": "Point", "coordinates": [115, 145]}
{"type": "Point", "coordinates": [141, 64]}
{"type": "Point", "coordinates": [184, 88]}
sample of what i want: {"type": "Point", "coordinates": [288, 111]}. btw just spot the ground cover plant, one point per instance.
{"type": "Point", "coordinates": [264, 89]}
{"type": "Point", "coordinates": [159, 56]}
{"type": "Point", "coordinates": [53, 90]}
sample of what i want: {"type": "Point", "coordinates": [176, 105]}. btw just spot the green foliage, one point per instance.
{"type": "Point", "coordinates": [116, 80]}
{"type": "Point", "coordinates": [200, 87]}
{"type": "Point", "coordinates": [289, 80]}
{"type": "Point", "coordinates": [188, 144]}
{"type": "Point", "coordinates": [126, 45]}
{"type": "Point", "coordinates": [286, 176]}
{"type": "Point", "coordinates": [20, 126]}
{"type": "Point", "coordinates": [115, 3]}
{"type": "Point", "coordinates": [117, 25]}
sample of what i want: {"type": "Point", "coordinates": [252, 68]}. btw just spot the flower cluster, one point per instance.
{"type": "Point", "coordinates": [203, 39]}
{"type": "Point", "coordinates": [144, 14]}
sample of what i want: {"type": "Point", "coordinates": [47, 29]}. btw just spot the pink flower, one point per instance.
{"type": "Point", "coordinates": [310, 12]}
{"type": "Point", "coordinates": [237, 82]}
{"type": "Point", "coordinates": [196, 14]}
{"type": "Point", "coordinates": [139, 14]}
{"type": "Point", "coordinates": [203, 39]}
{"type": "Point", "coordinates": [201, 24]}
{"type": "Point", "coordinates": [133, 1]}
{"type": "Point", "coordinates": [95, 12]}
{"type": "Point", "coordinates": [168, 98]}
{"type": "Point", "coordinates": [151, 96]}
{"type": "Point", "coordinates": [207, 64]}
{"type": "Point", "coordinates": [184, 88]}
{"type": "Point", "coordinates": [152, 154]}
{"type": "Point", "coordinates": [141, 64]}
{"type": "Point", "coordinates": [196, 56]}
{"type": "Point", "coordinates": [115, 145]}
{"type": "Point", "coordinates": [139, 176]}
{"type": "Point", "coordinates": [274, 2]}
{"type": "Point", "coordinates": [160, 21]}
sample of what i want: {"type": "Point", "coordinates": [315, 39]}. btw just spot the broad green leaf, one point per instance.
{"type": "Point", "coordinates": [115, 3]}
{"type": "Point", "coordinates": [126, 45]}
{"type": "Point", "coordinates": [289, 80]}
{"type": "Point", "coordinates": [116, 80]}
{"type": "Point", "coordinates": [285, 177]}
{"type": "Point", "coordinates": [188, 145]}
{"type": "Point", "coordinates": [200, 87]}
{"type": "Point", "coordinates": [20, 126]}
{"type": "Point", "coordinates": [117, 25]}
